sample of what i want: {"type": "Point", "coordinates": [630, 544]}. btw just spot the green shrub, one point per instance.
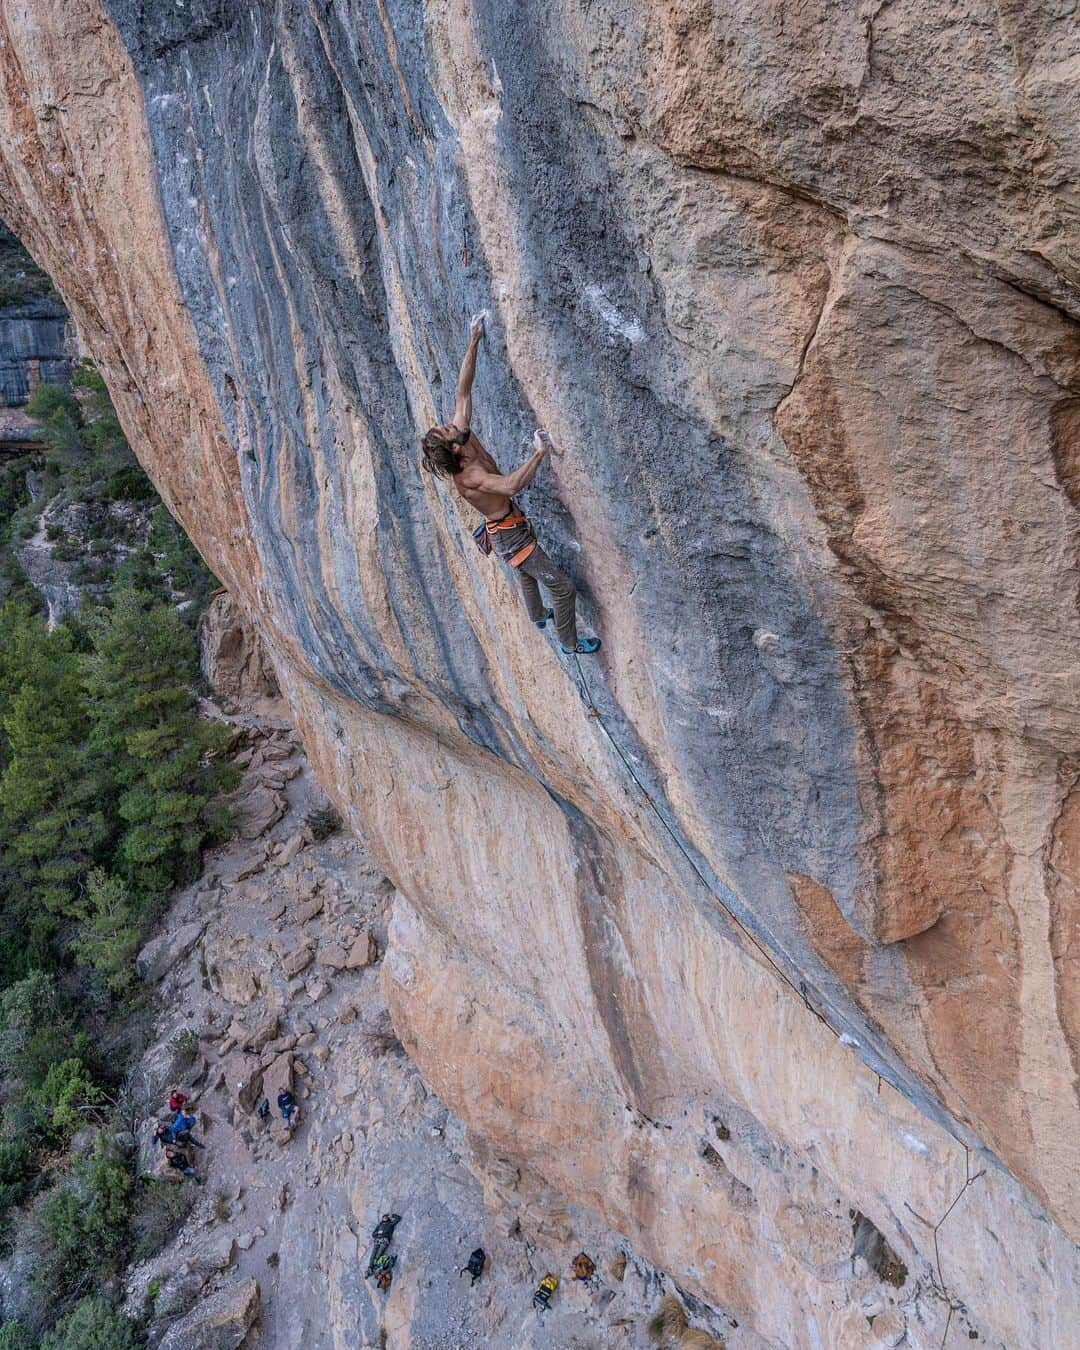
{"type": "Point", "coordinates": [59, 418]}
{"type": "Point", "coordinates": [148, 737]}
{"type": "Point", "coordinates": [161, 1207]}
{"type": "Point", "coordinates": [64, 1096]}
{"type": "Point", "coordinates": [93, 1325]}
{"type": "Point", "coordinates": [185, 1048]}
{"type": "Point", "coordinates": [108, 937]}
{"type": "Point", "coordinates": [14, 1336]}
{"type": "Point", "coordinates": [18, 1167]}
{"type": "Point", "coordinates": [25, 1007]}
{"type": "Point", "coordinates": [49, 1045]}
{"type": "Point", "coordinates": [50, 826]}
{"type": "Point", "coordinates": [323, 823]}
{"type": "Point", "coordinates": [80, 1230]}
{"type": "Point", "coordinates": [218, 819]}
{"type": "Point", "coordinates": [129, 484]}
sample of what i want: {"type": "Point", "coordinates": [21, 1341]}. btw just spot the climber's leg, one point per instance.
{"type": "Point", "coordinates": [530, 593]}
{"type": "Point", "coordinates": [538, 567]}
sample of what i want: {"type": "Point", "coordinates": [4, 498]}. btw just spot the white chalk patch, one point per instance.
{"type": "Point", "coordinates": [725, 715]}
{"type": "Point", "coordinates": [763, 640]}
{"type": "Point", "coordinates": [848, 1039]}
{"type": "Point", "coordinates": [503, 290]}
{"type": "Point", "coordinates": [913, 1143]}
{"type": "Point", "coordinates": [496, 83]}
{"type": "Point", "coordinates": [626, 325]}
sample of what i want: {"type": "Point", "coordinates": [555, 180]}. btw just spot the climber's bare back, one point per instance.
{"type": "Point", "coordinates": [477, 466]}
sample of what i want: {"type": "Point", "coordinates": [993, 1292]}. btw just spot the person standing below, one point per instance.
{"type": "Point", "coordinates": [454, 451]}
{"type": "Point", "coordinates": [288, 1107]}
{"type": "Point", "coordinates": [180, 1159]}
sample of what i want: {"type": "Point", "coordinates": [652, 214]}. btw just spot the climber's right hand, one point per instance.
{"type": "Point", "coordinates": [476, 326]}
{"type": "Point", "coordinates": [542, 442]}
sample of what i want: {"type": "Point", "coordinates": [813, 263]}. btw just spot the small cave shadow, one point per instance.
{"type": "Point", "coordinates": [869, 1242]}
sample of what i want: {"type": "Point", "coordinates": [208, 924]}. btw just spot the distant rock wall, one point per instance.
{"type": "Point", "coordinates": [36, 341]}
{"type": "Point", "coordinates": [797, 289]}
{"type": "Point", "coordinates": [34, 346]}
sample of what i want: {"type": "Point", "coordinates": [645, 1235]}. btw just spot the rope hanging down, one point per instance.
{"type": "Point", "coordinates": [799, 990]}
{"type": "Point", "coordinates": [969, 1181]}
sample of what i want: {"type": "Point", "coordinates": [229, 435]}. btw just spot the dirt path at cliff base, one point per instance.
{"type": "Point", "coordinates": [277, 983]}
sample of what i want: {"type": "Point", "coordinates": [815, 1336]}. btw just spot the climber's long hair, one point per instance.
{"type": "Point", "coordinates": [440, 456]}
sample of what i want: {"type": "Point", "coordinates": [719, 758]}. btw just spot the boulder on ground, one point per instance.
{"type": "Point", "coordinates": [216, 1254]}
{"type": "Point", "coordinates": [296, 961]}
{"type": "Point", "coordinates": [307, 883]}
{"type": "Point", "coordinates": [278, 1077]}
{"type": "Point", "coordinates": [257, 810]}
{"type": "Point", "coordinates": [83, 1141]}
{"type": "Point", "coordinates": [244, 1081]}
{"type": "Point", "coordinates": [218, 1322]}
{"type": "Point", "coordinates": [164, 953]}
{"type": "Point", "coordinates": [251, 866]}
{"type": "Point", "coordinates": [309, 909]}
{"type": "Point", "coordinates": [289, 850]}
{"type": "Point", "coordinates": [256, 1035]}
{"type": "Point", "coordinates": [363, 952]}
{"type": "Point", "coordinates": [235, 971]}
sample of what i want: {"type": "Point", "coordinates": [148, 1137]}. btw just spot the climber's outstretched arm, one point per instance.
{"type": "Point", "coordinates": [463, 400]}
{"type": "Point", "coordinates": [507, 484]}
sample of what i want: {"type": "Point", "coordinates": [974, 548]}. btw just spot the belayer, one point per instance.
{"type": "Point", "coordinates": [181, 1130]}
{"type": "Point", "coordinates": [181, 1161]}
{"type": "Point", "coordinates": [454, 451]}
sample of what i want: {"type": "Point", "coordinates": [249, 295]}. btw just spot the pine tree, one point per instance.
{"type": "Point", "coordinates": [108, 937]}
{"type": "Point", "coordinates": [50, 827]}
{"type": "Point", "coordinates": [148, 735]}
{"type": "Point", "coordinates": [57, 412]}
{"type": "Point", "coordinates": [24, 645]}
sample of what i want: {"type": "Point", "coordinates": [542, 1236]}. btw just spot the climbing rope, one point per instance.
{"type": "Point", "coordinates": [799, 990]}
{"type": "Point", "coordinates": [969, 1181]}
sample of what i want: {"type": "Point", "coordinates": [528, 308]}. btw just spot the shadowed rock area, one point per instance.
{"type": "Point", "coordinates": [797, 291]}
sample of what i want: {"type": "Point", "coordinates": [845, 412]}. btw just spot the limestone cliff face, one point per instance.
{"type": "Point", "coordinates": [796, 286]}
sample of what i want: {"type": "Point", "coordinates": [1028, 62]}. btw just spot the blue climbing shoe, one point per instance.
{"type": "Point", "coordinates": [585, 647]}
{"type": "Point", "coordinates": [542, 623]}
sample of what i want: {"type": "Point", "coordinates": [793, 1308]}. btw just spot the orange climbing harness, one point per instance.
{"type": "Point", "coordinates": [511, 522]}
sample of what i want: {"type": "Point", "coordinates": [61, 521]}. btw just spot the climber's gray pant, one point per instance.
{"type": "Point", "coordinates": [538, 567]}
{"type": "Point", "coordinates": [538, 570]}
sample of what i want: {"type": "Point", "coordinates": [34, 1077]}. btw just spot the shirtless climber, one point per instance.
{"type": "Point", "coordinates": [454, 451]}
